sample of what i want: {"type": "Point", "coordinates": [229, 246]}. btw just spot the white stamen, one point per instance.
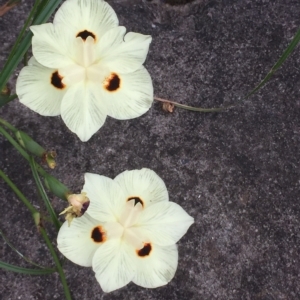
{"type": "Point", "coordinates": [72, 74]}
{"type": "Point", "coordinates": [130, 213]}
{"type": "Point", "coordinates": [88, 51]}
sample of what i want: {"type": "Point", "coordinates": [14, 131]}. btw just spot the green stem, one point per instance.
{"type": "Point", "coordinates": [13, 96]}
{"type": "Point", "coordinates": [57, 263]}
{"type": "Point", "coordinates": [4, 99]}
{"type": "Point", "coordinates": [30, 207]}
{"type": "Point", "coordinates": [53, 184]}
{"type": "Point", "coordinates": [187, 107]}
{"type": "Point", "coordinates": [43, 193]}
{"type": "Point", "coordinates": [8, 125]}
{"type": "Point", "coordinates": [22, 151]}
{"type": "Point", "coordinates": [13, 268]}
{"type": "Point", "coordinates": [34, 212]}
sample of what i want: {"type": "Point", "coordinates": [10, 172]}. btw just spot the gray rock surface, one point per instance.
{"type": "Point", "coordinates": [236, 173]}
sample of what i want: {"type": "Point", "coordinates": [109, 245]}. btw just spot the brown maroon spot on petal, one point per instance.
{"type": "Point", "coordinates": [56, 80]}
{"type": "Point", "coordinates": [98, 235]}
{"type": "Point", "coordinates": [145, 251]}
{"type": "Point", "coordinates": [136, 200]}
{"type": "Point", "coordinates": [84, 207]}
{"type": "Point", "coordinates": [112, 83]}
{"type": "Point", "coordinates": [85, 34]}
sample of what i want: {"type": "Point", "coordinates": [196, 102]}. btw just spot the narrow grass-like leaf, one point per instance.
{"type": "Point", "coordinates": [58, 264]}
{"type": "Point", "coordinates": [27, 271]}
{"type": "Point", "coordinates": [23, 46]}
{"type": "Point", "coordinates": [277, 65]}
{"type": "Point", "coordinates": [4, 99]}
{"type": "Point", "coordinates": [21, 150]}
{"type": "Point", "coordinates": [287, 52]}
{"type": "Point", "coordinates": [20, 195]}
{"type": "Point", "coordinates": [41, 6]}
{"type": "Point", "coordinates": [19, 253]}
{"type": "Point", "coordinates": [43, 193]}
{"type": "Point", "coordinates": [21, 34]}
{"type": "Point", "coordinates": [42, 231]}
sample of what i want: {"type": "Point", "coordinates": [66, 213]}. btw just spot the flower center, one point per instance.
{"type": "Point", "coordinates": [86, 66]}
{"type": "Point", "coordinates": [128, 219]}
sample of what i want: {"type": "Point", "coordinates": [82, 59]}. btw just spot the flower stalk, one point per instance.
{"type": "Point", "coordinates": [36, 217]}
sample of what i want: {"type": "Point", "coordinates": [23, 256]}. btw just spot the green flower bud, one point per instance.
{"type": "Point", "coordinates": [56, 187]}
{"type": "Point", "coordinates": [34, 148]}
{"type": "Point", "coordinates": [29, 144]}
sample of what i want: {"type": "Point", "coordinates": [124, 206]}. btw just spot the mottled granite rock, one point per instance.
{"type": "Point", "coordinates": [236, 173]}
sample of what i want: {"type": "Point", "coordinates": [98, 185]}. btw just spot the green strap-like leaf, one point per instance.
{"type": "Point", "coordinates": [287, 52]}
{"type": "Point", "coordinates": [4, 99]}
{"type": "Point", "coordinates": [23, 46]}
{"type": "Point", "coordinates": [17, 269]}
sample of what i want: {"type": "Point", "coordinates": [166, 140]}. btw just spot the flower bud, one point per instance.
{"type": "Point", "coordinates": [56, 187]}
{"type": "Point", "coordinates": [34, 148]}
{"type": "Point", "coordinates": [29, 144]}
{"type": "Point", "coordinates": [79, 203]}
{"type": "Point", "coordinates": [49, 158]}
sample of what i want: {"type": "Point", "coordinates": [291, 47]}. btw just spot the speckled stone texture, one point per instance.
{"type": "Point", "coordinates": [236, 173]}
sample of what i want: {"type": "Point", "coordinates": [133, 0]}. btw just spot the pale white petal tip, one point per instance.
{"type": "Point", "coordinates": [35, 90]}
{"type": "Point", "coordinates": [145, 184]}
{"type": "Point", "coordinates": [82, 110]}
{"type": "Point", "coordinates": [75, 241]}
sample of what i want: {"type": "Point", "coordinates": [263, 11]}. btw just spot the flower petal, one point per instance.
{"type": "Point", "coordinates": [95, 16]}
{"type": "Point", "coordinates": [164, 223]}
{"type": "Point", "coordinates": [53, 47]}
{"type": "Point", "coordinates": [158, 268]}
{"type": "Point", "coordinates": [134, 97]}
{"type": "Point", "coordinates": [35, 90]}
{"type": "Point", "coordinates": [144, 184]}
{"type": "Point", "coordinates": [114, 265]}
{"type": "Point", "coordinates": [75, 241]}
{"type": "Point", "coordinates": [82, 110]}
{"type": "Point", "coordinates": [107, 200]}
{"type": "Point", "coordinates": [123, 54]}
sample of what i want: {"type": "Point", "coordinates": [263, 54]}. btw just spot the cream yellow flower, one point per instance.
{"type": "Point", "coordinates": [84, 67]}
{"type": "Point", "coordinates": [129, 231]}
